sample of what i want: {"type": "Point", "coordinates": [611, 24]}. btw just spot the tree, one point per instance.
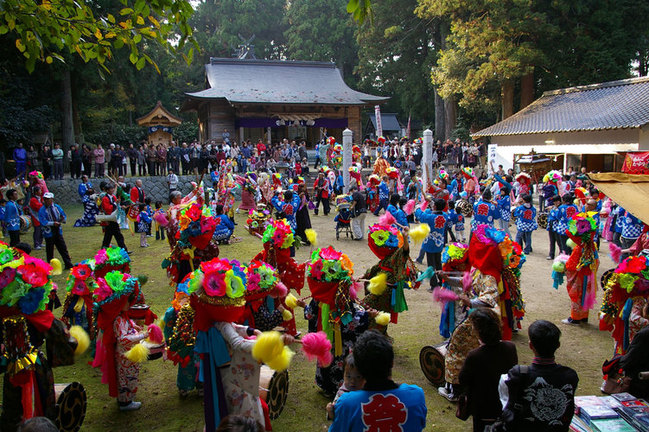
{"type": "Point", "coordinates": [45, 30]}
{"type": "Point", "coordinates": [492, 43]}
{"type": "Point", "coordinates": [321, 30]}
{"type": "Point", "coordinates": [222, 25]}
{"type": "Point", "coordinates": [396, 53]}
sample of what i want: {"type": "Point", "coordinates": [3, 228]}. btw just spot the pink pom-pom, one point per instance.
{"type": "Point", "coordinates": [280, 290]}
{"type": "Point", "coordinates": [615, 252]}
{"type": "Point", "coordinates": [155, 334]}
{"type": "Point", "coordinates": [467, 281]}
{"type": "Point", "coordinates": [161, 219]}
{"type": "Point", "coordinates": [387, 219]}
{"type": "Point", "coordinates": [409, 208]}
{"type": "Point", "coordinates": [589, 301]}
{"type": "Point", "coordinates": [441, 295]}
{"type": "Point", "coordinates": [354, 289]}
{"type": "Point", "coordinates": [317, 346]}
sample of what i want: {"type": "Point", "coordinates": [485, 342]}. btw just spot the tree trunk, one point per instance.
{"type": "Point", "coordinates": [66, 108]}
{"type": "Point", "coordinates": [507, 98]}
{"type": "Point", "coordinates": [78, 130]}
{"type": "Point", "coordinates": [450, 111]}
{"type": "Point", "coordinates": [527, 89]}
{"type": "Point", "coordinates": [439, 117]}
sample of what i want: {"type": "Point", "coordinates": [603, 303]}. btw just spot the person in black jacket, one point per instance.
{"type": "Point", "coordinates": [539, 397]}
{"type": "Point", "coordinates": [636, 360]}
{"type": "Point", "coordinates": [483, 367]}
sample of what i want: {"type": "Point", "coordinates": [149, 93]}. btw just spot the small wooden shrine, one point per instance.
{"type": "Point", "coordinates": [160, 123]}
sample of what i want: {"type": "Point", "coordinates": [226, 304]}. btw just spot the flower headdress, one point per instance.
{"type": "Point", "coordinates": [468, 172]}
{"type": "Point", "coordinates": [455, 257]}
{"type": "Point", "coordinates": [392, 172]}
{"type": "Point", "coordinates": [81, 279]}
{"type": "Point", "coordinates": [25, 282]}
{"type": "Point", "coordinates": [279, 234]}
{"type": "Point", "coordinates": [329, 274]}
{"type": "Point", "coordinates": [115, 285]}
{"type": "Point", "coordinates": [196, 226]}
{"type": "Point", "coordinates": [629, 281]}
{"type": "Point", "coordinates": [553, 176]}
{"type": "Point", "coordinates": [582, 225]}
{"type": "Point", "coordinates": [262, 279]}
{"type": "Point", "coordinates": [383, 240]}
{"type": "Point", "coordinates": [110, 259]}
{"type": "Point", "coordinates": [217, 291]}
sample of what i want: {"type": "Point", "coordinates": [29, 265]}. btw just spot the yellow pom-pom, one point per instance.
{"type": "Point", "coordinates": [269, 349]}
{"type": "Point", "coordinates": [281, 362]}
{"type": "Point", "coordinates": [287, 315]}
{"type": "Point", "coordinates": [311, 236]}
{"type": "Point", "coordinates": [382, 318]}
{"type": "Point", "coordinates": [83, 340]}
{"type": "Point", "coordinates": [291, 301]}
{"type": "Point", "coordinates": [419, 233]}
{"type": "Point", "coordinates": [138, 353]}
{"type": "Point", "coordinates": [57, 268]}
{"type": "Point", "coordinates": [571, 244]}
{"type": "Point", "coordinates": [378, 284]}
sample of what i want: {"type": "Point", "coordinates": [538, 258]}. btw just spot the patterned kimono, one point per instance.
{"type": "Point", "coordinates": [241, 379]}
{"type": "Point", "coordinates": [90, 211]}
{"type": "Point", "coordinates": [127, 335]}
{"type": "Point", "coordinates": [465, 338]}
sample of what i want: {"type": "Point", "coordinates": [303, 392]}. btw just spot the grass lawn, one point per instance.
{"type": "Point", "coordinates": [583, 348]}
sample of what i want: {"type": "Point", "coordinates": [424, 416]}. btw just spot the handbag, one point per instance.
{"type": "Point", "coordinates": [462, 411]}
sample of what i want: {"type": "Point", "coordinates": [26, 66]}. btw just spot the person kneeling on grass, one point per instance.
{"type": "Point", "coordinates": [381, 404]}
{"type": "Point", "coordinates": [225, 228]}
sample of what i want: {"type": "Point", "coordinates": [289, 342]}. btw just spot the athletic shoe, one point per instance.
{"type": "Point", "coordinates": [549, 258]}
{"type": "Point", "coordinates": [447, 394]}
{"type": "Point", "coordinates": [570, 321]}
{"type": "Point", "coordinates": [133, 406]}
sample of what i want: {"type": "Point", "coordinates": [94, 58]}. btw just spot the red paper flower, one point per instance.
{"type": "Point", "coordinates": [330, 253]}
{"type": "Point", "coordinates": [214, 284]}
{"type": "Point", "coordinates": [81, 271]}
{"type": "Point", "coordinates": [33, 275]}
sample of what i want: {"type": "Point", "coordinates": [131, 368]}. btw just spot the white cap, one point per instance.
{"type": "Point", "coordinates": [48, 195]}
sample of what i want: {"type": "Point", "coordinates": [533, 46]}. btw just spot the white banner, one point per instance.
{"type": "Point", "coordinates": [379, 125]}
{"type": "Point", "coordinates": [491, 153]}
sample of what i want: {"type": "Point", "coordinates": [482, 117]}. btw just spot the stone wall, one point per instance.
{"type": "Point", "coordinates": [66, 191]}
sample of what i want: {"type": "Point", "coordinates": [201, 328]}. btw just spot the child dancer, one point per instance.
{"type": "Point", "coordinates": [143, 225]}
{"type": "Point", "coordinates": [160, 230]}
{"type": "Point", "coordinates": [525, 223]}
{"type": "Point", "coordinates": [457, 219]}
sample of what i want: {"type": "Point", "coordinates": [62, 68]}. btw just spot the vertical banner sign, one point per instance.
{"type": "Point", "coordinates": [379, 124]}
{"type": "Point", "coordinates": [491, 153]}
{"type": "Point", "coordinates": [408, 129]}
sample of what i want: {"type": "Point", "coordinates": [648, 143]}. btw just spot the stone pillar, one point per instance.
{"type": "Point", "coordinates": [427, 158]}
{"type": "Point", "coordinates": [240, 135]}
{"type": "Point", "coordinates": [347, 156]}
{"type": "Point", "coordinates": [268, 132]}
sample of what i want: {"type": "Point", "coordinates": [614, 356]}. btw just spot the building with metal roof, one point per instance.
{"type": "Point", "coordinates": [272, 99]}
{"type": "Point", "coordinates": [389, 122]}
{"type": "Point", "coordinates": [591, 125]}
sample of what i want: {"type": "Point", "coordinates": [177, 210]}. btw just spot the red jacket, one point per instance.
{"type": "Point", "coordinates": [137, 195]}
{"type": "Point", "coordinates": [108, 205]}
{"type": "Point", "coordinates": [35, 205]}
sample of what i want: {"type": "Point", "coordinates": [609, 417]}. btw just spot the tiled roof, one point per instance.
{"type": "Point", "coordinates": [287, 82]}
{"type": "Point", "coordinates": [612, 105]}
{"type": "Point", "coordinates": [389, 122]}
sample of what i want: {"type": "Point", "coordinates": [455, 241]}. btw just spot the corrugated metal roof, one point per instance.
{"type": "Point", "coordinates": [388, 121]}
{"type": "Point", "coordinates": [612, 105]}
{"type": "Point", "coordinates": [271, 81]}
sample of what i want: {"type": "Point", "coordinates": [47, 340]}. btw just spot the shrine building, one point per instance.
{"type": "Point", "coordinates": [271, 100]}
